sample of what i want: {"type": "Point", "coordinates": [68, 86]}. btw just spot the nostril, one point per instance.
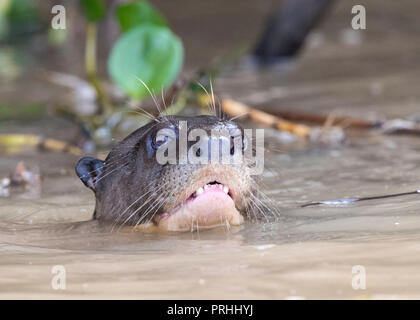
{"type": "Point", "coordinates": [198, 152]}
{"type": "Point", "coordinates": [232, 146]}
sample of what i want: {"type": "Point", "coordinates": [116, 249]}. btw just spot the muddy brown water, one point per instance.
{"type": "Point", "coordinates": [309, 252]}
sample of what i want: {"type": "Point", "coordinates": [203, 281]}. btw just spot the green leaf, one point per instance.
{"type": "Point", "coordinates": [132, 14]}
{"type": "Point", "coordinates": [147, 52]}
{"type": "Point", "coordinates": [94, 10]}
{"type": "Point", "coordinates": [22, 16]}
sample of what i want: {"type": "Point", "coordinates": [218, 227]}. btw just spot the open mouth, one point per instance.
{"type": "Point", "coordinates": [213, 186]}
{"type": "Point", "coordinates": [209, 206]}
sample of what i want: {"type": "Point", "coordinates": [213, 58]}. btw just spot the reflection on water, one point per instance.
{"type": "Point", "coordinates": [309, 252]}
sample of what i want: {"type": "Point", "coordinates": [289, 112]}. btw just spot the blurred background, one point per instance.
{"type": "Point", "coordinates": [67, 73]}
{"type": "Point", "coordinates": [77, 76]}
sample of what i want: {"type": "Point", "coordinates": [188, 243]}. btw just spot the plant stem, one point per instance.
{"type": "Point", "coordinates": [90, 53]}
{"type": "Point", "coordinates": [178, 106]}
{"type": "Point", "coordinates": [90, 68]}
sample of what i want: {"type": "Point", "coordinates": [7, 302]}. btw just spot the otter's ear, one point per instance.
{"type": "Point", "coordinates": [89, 170]}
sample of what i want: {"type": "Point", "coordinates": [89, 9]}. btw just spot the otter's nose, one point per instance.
{"type": "Point", "coordinates": [214, 148]}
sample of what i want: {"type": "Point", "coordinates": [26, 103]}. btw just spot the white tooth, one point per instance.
{"type": "Point", "coordinates": [225, 189]}
{"type": "Point", "coordinates": [220, 186]}
{"type": "Point", "coordinates": [206, 187]}
{"type": "Point", "coordinates": [199, 191]}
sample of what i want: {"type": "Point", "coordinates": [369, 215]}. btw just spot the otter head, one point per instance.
{"type": "Point", "coordinates": [167, 174]}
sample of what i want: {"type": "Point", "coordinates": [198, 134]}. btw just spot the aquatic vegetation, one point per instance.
{"type": "Point", "coordinates": [147, 49]}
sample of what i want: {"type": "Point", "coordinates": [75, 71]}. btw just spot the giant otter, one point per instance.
{"type": "Point", "coordinates": [133, 188]}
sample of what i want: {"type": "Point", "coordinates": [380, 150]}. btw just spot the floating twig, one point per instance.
{"type": "Point", "coordinates": [14, 142]}
{"type": "Point", "coordinates": [236, 109]}
{"type": "Point", "coordinates": [345, 201]}
{"type": "Point", "coordinates": [321, 119]}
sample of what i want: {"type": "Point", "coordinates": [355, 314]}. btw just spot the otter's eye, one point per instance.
{"type": "Point", "coordinates": [162, 137]}
{"type": "Point", "coordinates": [160, 140]}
